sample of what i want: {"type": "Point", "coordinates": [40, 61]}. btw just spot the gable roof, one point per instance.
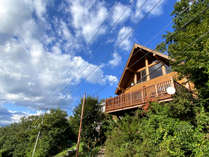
{"type": "Point", "coordinates": [136, 50]}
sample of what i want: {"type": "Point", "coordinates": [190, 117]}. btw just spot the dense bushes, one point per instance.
{"type": "Point", "coordinates": [160, 132]}
{"type": "Point", "coordinates": [181, 127]}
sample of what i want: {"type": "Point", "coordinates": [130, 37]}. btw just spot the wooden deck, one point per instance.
{"type": "Point", "coordinates": [140, 94]}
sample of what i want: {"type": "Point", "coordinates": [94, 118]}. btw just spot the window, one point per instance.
{"type": "Point", "coordinates": [141, 76]}
{"type": "Point", "coordinates": [168, 68]}
{"type": "Point", "coordinates": [155, 71]}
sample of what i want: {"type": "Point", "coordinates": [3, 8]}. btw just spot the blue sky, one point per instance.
{"type": "Point", "coordinates": [51, 52]}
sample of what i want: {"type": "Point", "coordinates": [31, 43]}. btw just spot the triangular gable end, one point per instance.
{"type": "Point", "coordinates": [137, 53]}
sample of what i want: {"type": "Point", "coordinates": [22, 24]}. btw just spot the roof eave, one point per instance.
{"type": "Point", "coordinates": [146, 49]}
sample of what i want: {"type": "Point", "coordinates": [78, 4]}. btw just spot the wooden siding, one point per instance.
{"type": "Point", "coordinates": [142, 93]}
{"type": "Point", "coordinates": [151, 82]}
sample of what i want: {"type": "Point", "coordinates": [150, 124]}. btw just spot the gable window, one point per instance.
{"type": "Point", "coordinates": [168, 68]}
{"type": "Point", "coordinates": [155, 71]}
{"type": "Point", "coordinates": [141, 76]}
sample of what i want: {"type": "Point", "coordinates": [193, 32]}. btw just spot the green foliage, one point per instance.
{"type": "Point", "coordinates": [57, 132]}
{"type": "Point", "coordinates": [160, 132]}
{"type": "Point", "coordinates": [181, 127]}
{"type": "Point", "coordinates": [56, 135]}
{"type": "Point", "coordinates": [73, 148]}
{"type": "Point", "coordinates": [92, 125]}
{"type": "Point", "coordinates": [177, 128]}
{"type": "Point", "coordinates": [189, 43]}
{"type": "Point", "coordinates": [18, 139]}
{"type": "Point", "coordinates": [92, 153]}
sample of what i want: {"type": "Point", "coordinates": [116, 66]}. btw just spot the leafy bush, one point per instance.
{"type": "Point", "coordinates": [181, 127]}
{"type": "Point", "coordinates": [157, 133]}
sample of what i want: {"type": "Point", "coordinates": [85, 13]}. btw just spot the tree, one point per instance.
{"type": "Point", "coordinates": [18, 139]}
{"type": "Point", "coordinates": [92, 120]}
{"type": "Point", "coordinates": [188, 44]}
{"type": "Point", "coordinates": [56, 134]}
{"type": "Point", "coordinates": [180, 127]}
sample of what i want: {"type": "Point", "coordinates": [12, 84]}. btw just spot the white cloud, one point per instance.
{"type": "Point", "coordinates": [7, 117]}
{"type": "Point", "coordinates": [37, 77]}
{"type": "Point", "coordinates": [124, 38]}
{"type": "Point", "coordinates": [13, 14]}
{"type": "Point", "coordinates": [16, 116]}
{"type": "Point", "coordinates": [120, 13]}
{"type": "Point", "coordinates": [87, 18]}
{"type": "Point", "coordinates": [33, 67]}
{"type": "Point", "coordinates": [112, 79]}
{"type": "Point", "coordinates": [69, 42]}
{"type": "Point", "coordinates": [155, 7]}
{"type": "Point", "coordinates": [115, 60]}
{"type": "Point", "coordinates": [40, 7]}
{"type": "Point", "coordinates": [31, 74]}
{"type": "Point", "coordinates": [66, 32]}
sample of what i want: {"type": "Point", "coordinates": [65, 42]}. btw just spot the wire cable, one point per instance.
{"type": "Point", "coordinates": [149, 41]}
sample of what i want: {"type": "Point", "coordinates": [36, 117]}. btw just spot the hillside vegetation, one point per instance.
{"type": "Point", "coordinates": [179, 128]}
{"type": "Point", "coordinates": [57, 132]}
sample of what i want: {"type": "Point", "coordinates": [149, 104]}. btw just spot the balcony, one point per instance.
{"type": "Point", "coordinates": [140, 94]}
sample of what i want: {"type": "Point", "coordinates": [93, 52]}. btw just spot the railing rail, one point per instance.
{"type": "Point", "coordinates": [152, 92]}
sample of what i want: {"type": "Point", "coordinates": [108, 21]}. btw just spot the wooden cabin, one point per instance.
{"type": "Point", "coordinates": [146, 77]}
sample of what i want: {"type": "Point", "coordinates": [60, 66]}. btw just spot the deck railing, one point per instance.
{"type": "Point", "coordinates": [151, 92]}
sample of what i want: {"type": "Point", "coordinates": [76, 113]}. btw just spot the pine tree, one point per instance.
{"type": "Point", "coordinates": [188, 44]}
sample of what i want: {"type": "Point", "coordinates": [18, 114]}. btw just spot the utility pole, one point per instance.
{"type": "Point", "coordinates": [37, 138]}
{"type": "Point", "coordinates": [79, 133]}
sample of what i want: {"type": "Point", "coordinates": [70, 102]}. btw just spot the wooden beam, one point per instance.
{"type": "Point", "coordinates": [147, 69]}
{"type": "Point", "coordinates": [163, 69]}
{"type": "Point", "coordinates": [127, 68]}
{"type": "Point", "coordinates": [119, 88]}
{"type": "Point", "coordinates": [135, 78]}
{"type": "Point", "coordinates": [148, 66]}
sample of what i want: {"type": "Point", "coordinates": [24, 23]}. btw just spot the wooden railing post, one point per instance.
{"type": "Point", "coordinates": [114, 103]}
{"type": "Point", "coordinates": [141, 95]}
{"type": "Point", "coordinates": [172, 83]}
{"type": "Point", "coordinates": [156, 90]}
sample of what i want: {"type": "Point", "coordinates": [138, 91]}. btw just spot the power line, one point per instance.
{"type": "Point", "coordinates": [118, 19]}
{"type": "Point", "coordinates": [146, 15]}
{"type": "Point", "coordinates": [132, 3]}
{"type": "Point", "coordinates": [124, 38]}
{"type": "Point", "coordinates": [99, 91]}
{"type": "Point", "coordinates": [161, 65]}
{"type": "Point", "coordinates": [96, 32]}
{"type": "Point", "coordinates": [175, 32]}
{"type": "Point", "coordinates": [182, 51]}
{"type": "Point", "coordinates": [164, 28]}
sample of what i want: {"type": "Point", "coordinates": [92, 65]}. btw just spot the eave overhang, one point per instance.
{"type": "Point", "coordinates": [138, 52]}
